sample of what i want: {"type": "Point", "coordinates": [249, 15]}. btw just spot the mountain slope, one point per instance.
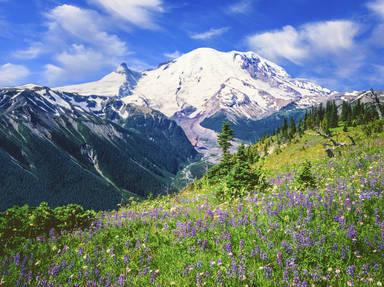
{"type": "Point", "coordinates": [63, 148]}
{"type": "Point", "coordinates": [325, 236]}
{"type": "Point", "coordinates": [244, 84]}
{"type": "Point", "coordinates": [205, 86]}
{"type": "Point", "coordinates": [119, 83]}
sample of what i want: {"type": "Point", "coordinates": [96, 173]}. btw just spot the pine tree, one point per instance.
{"type": "Point", "coordinates": [324, 125]}
{"type": "Point", "coordinates": [284, 129]}
{"type": "Point", "coordinates": [345, 111]}
{"type": "Point", "coordinates": [242, 179]}
{"type": "Point", "coordinates": [225, 138]}
{"type": "Point", "coordinates": [292, 128]}
{"type": "Point", "coordinates": [305, 178]}
{"type": "Point", "coordinates": [334, 117]}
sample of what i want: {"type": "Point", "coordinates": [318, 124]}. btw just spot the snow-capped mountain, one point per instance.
{"type": "Point", "coordinates": [207, 84]}
{"type": "Point", "coordinates": [244, 84]}
{"type": "Point", "coordinates": [119, 83]}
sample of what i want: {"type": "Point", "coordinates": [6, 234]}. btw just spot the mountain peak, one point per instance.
{"type": "Point", "coordinates": [119, 83]}
{"type": "Point", "coordinates": [122, 69]}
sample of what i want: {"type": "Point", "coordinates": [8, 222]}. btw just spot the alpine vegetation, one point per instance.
{"type": "Point", "coordinates": [276, 213]}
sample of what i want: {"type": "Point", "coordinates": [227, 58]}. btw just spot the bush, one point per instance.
{"type": "Point", "coordinates": [72, 217]}
{"type": "Point", "coordinates": [304, 178]}
{"type": "Point", "coordinates": [241, 179]}
{"type": "Point", "coordinates": [374, 128]}
{"type": "Point", "coordinates": [21, 223]}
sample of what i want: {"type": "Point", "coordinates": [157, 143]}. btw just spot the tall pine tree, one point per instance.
{"type": "Point", "coordinates": [225, 138]}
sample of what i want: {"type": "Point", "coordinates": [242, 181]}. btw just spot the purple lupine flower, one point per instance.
{"type": "Point", "coordinates": [17, 259]}
{"type": "Point", "coordinates": [234, 268]}
{"type": "Point", "coordinates": [121, 280]}
{"type": "Point", "coordinates": [268, 272]}
{"type": "Point", "coordinates": [351, 232]}
{"type": "Point", "coordinates": [279, 257]}
{"type": "Point", "coordinates": [351, 270]}
{"type": "Point", "coordinates": [242, 243]}
{"type": "Point", "coordinates": [228, 248]}
{"type": "Point", "coordinates": [55, 270]}
{"type": "Point", "coordinates": [263, 256]}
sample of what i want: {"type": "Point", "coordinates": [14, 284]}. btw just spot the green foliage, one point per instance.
{"type": "Point", "coordinates": [281, 237]}
{"type": "Point", "coordinates": [237, 178]}
{"type": "Point", "coordinates": [374, 128]}
{"type": "Point", "coordinates": [18, 224]}
{"type": "Point", "coordinates": [305, 178]}
{"type": "Point", "coordinates": [225, 138]}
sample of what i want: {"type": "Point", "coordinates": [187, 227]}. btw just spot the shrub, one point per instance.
{"type": "Point", "coordinates": [374, 128]}
{"type": "Point", "coordinates": [304, 178]}
{"type": "Point", "coordinates": [21, 223]}
{"type": "Point", "coordinates": [241, 179]}
{"type": "Point", "coordinates": [73, 216]}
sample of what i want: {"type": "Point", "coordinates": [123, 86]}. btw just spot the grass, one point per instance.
{"type": "Point", "coordinates": [328, 236]}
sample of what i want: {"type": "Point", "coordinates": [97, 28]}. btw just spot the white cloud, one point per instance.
{"type": "Point", "coordinates": [281, 44]}
{"type": "Point", "coordinates": [84, 26]}
{"type": "Point", "coordinates": [53, 73]}
{"type": "Point", "coordinates": [68, 25]}
{"type": "Point", "coordinates": [377, 7]}
{"type": "Point", "coordinates": [78, 43]}
{"type": "Point", "coordinates": [306, 42]}
{"type": "Point", "coordinates": [141, 13]}
{"type": "Point", "coordinates": [211, 33]}
{"type": "Point", "coordinates": [330, 36]}
{"type": "Point", "coordinates": [173, 55]}
{"type": "Point", "coordinates": [76, 62]}
{"type": "Point", "coordinates": [32, 52]}
{"type": "Point", "coordinates": [241, 7]}
{"type": "Point", "coordinates": [11, 74]}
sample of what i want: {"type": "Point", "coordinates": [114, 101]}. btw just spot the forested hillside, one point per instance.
{"type": "Point", "coordinates": [62, 148]}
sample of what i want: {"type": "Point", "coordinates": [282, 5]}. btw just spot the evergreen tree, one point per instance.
{"type": "Point", "coordinates": [292, 128]}
{"type": "Point", "coordinates": [324, 126]}
{"type": "Point", "coordinates": [345, 112]}
{"type": "Point", "coordinates": [305, 178]}
{"type": "Point", "coordinates": [242, 179]}
{"type": "Point", "coordinates": [334, 116]}
{"type": "Point", "coordinates": [284, 129]}
{"type": "Point", "coordinates": [225, 138]}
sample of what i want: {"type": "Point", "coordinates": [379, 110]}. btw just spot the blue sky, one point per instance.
{"type": "Point", "coordinates": [337, 43]}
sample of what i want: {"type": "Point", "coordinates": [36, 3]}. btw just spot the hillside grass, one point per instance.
{"type": "Point", "coordinates": [332, 235]}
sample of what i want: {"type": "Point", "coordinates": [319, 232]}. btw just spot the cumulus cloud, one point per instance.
{"type": "Point", "coordinates": [85, 26]}
{"type": "Point", "coordinates": [79, 44]}
{"type": "Point", "coordinates": [280, 44]}
{"type": "Point", "coordinates": [11, 74]}
{"type": "Point", "coordinates": [74, 63]}
{"type": "Point", "coordinates": [173, 55]}
{"type": "Point", "coordinates": [310, 40]}
{"type": "Point", "coordinates": [241, 7]}
{"type": "Point", "coordinates": [211, 33]}
{"type": "Point", "coordinates": [330, 51]}
{"type": "Point", "coordinates": [141, 13]}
